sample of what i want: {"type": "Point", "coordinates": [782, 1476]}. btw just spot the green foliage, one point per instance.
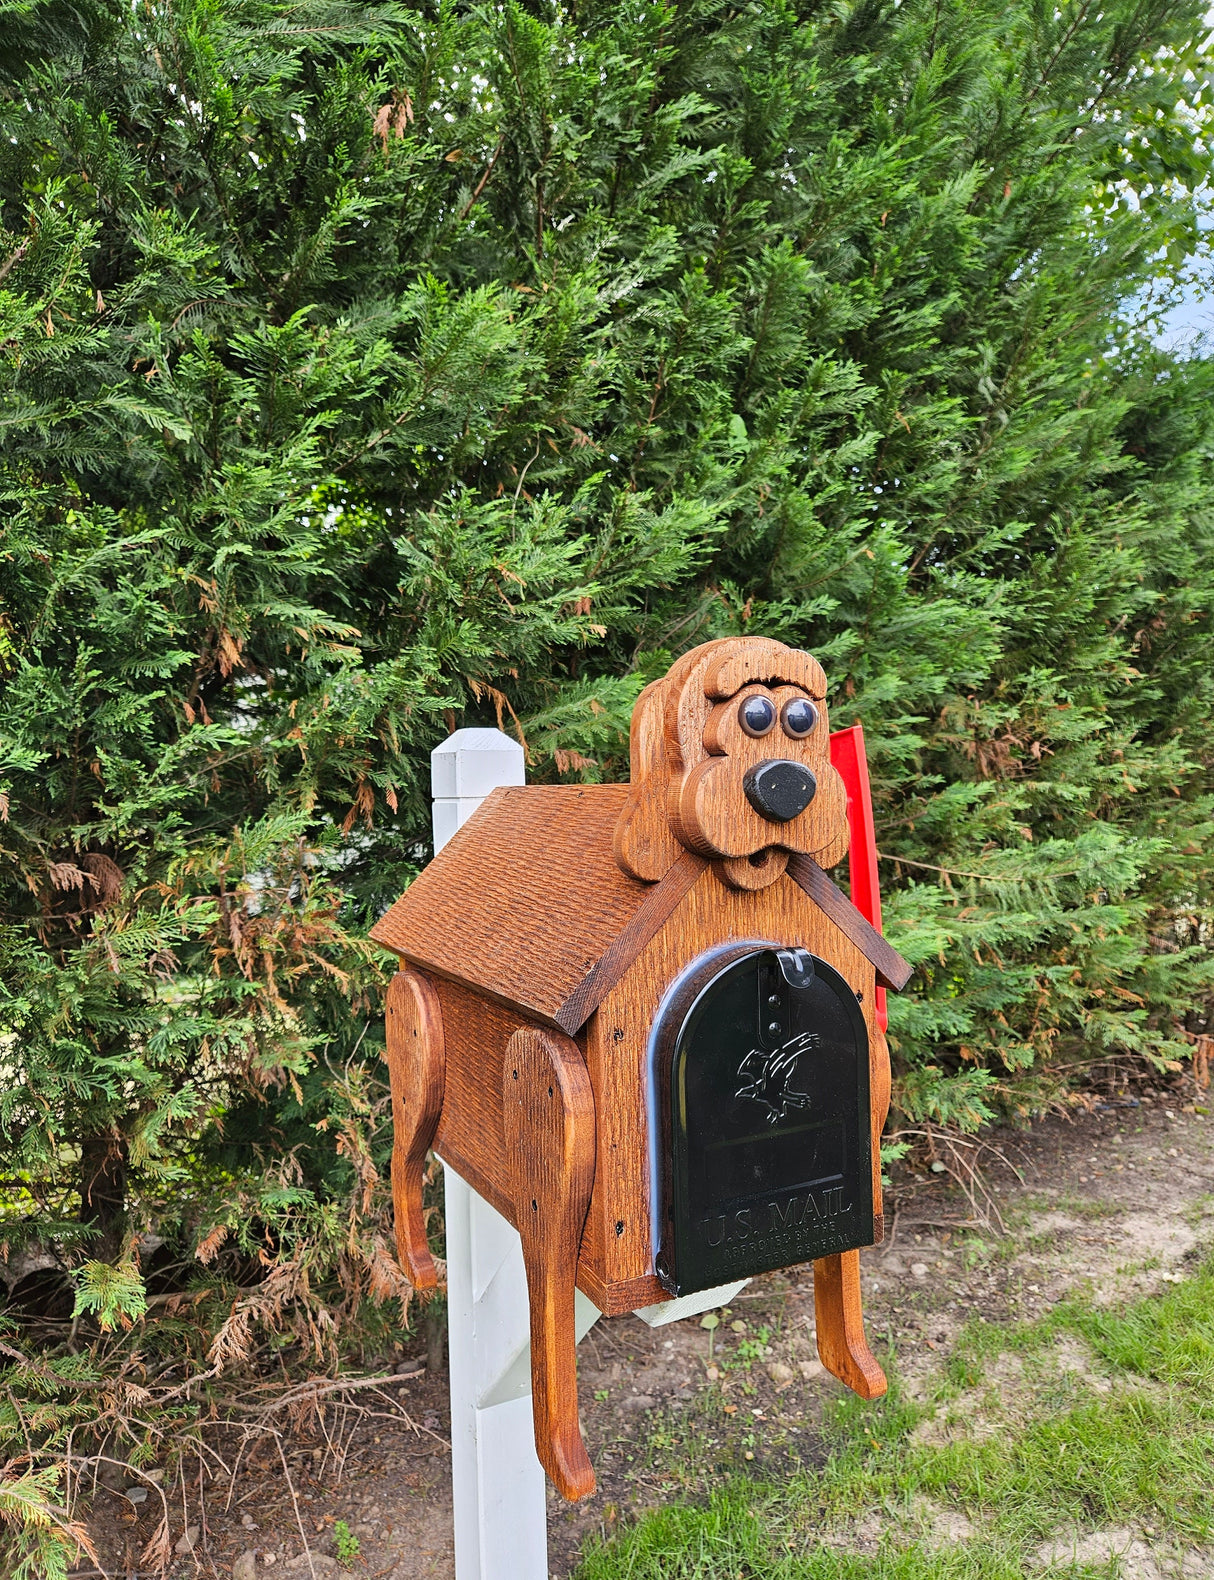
{"type": "Point", "coordinates": [346, 1542]}
{"type": "Point", "coordinates": [111, 1292]}
{"type": "Point", "coordinates": [1170, 1339]}
{"type": "Point", "coordinates": [747, 1351]}
{"type": "Point", "coordinates": [368, 371]}
{"type": "Point", "coordinates": [41, 1538]}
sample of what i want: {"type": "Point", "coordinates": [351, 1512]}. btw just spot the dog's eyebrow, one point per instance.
{"type": "Point", "coordinates": [770, 681]}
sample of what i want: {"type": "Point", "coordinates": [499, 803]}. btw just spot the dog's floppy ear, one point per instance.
{"type": "Point", "coordinates": [644, 845]}
{"type": "Point", "coordinates": [688, 704]}
{"type": "Point", "coordinates": [667, 738]}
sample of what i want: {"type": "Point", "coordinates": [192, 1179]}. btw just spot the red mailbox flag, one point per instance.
{"type": "Point", "coordinates": [847, 756]}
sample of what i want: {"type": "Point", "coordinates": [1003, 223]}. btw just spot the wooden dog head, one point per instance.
{"type": "Point", "coordinates": [731, 759]}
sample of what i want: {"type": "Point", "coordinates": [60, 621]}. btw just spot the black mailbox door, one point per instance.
{"type": "Point", "coordinates": [763, 1085]}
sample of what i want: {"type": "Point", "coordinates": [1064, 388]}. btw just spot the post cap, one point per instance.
{"type": "Point", "coordinates": [474, 761]}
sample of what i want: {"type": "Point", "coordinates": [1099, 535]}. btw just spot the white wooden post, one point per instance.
{"type": "Point", "coordinates": [501, 1526]}
{"type": "Point", "coordinates": [497, 1484]}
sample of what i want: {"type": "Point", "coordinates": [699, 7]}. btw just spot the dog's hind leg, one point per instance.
{"type": "Point", "coordinates": [416, 1062]}
{"type": "Point", "coordinates": [842, 1347]}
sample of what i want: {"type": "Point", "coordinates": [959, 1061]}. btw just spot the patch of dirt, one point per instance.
{"type": "Point", "coordinates": [1111, 1204]}
{"type": "Point", "coordinates": [1134, 1557]}
{"type": "Point", "coordinates": [387, 1479]}
{"type": "Point", "coordinates": [966, 1418]}
{"type": "Point", "coordinates": [1070, 1356]}
{"type": "Point", "coordinates": [939, 1527]}
{"type": "Point", "coordinates": [1014, 1388]}
{"type": "Point", "coordinates": [920, 1521]}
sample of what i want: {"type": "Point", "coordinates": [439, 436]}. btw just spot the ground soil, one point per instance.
{"type": "Point", "coordinates": [1110, 1202]}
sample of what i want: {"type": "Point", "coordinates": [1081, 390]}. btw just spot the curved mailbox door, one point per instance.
{"type": "Point", "coordinates": [762, 1078]}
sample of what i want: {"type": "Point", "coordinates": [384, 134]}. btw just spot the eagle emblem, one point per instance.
{"type": "Point", "coordinates": [766, 1077]}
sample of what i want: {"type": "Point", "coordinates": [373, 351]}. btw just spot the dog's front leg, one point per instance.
{"type": "Point", "coordinates": [548, 1115]}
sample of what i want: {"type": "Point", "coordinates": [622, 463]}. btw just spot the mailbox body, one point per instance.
{"type": "Point", "coordinates": [765, 1143]}
{"type": "Point", "coordinates": [525, 918]}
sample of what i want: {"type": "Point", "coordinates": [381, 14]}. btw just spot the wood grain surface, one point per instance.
{"type": "Point", "coordinates": [548, 1110]}
{"type": "Point", "coordinates": [751, 872]}
{"type": "Point", "coordinates": [741, 660]}
{"type": "Point", "coordinates": [709, 809]}
{"type": "Point", "coordinates": [470, 1134]}
{"type": "Point", "coordinates": [643, 843]}
{"type": "Point", "coordinates": [415, 1057]}
{"type": "Point", "coordinates": [618, 1244]}
{"type": "Point", "coordinates": [662, 900]}
{"type": "Point", "coordinates": [615, 1267]}
{"type": "Point", "coordinates": [702, 755]}
{"type": "Point", "coordinates": [524, 900]}
{"type": "Point", "coordinates": [842, 1347]}
{"type": "Point", "coordinates": [892, 970]}
{"type": "Point", "coordinates": [525, 917]}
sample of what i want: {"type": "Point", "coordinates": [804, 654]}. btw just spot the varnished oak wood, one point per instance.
{"type": "Point", "coordinates": [643, 843]}
{"type": "Point", "coordinates": [618, 1298]}
{"type": "Point", "coordinates": [751, 872]}
{"type": "Point", "coordinates": [549, 1118]}
{"type": "Point", "coordinates": [526, 921]}
{"type": "Point", "coordinates": [711, 812]}
{"type": "Point", "coordinates": [741, 660]}
{"type": "Point", "coordinates": [470, 1135]}
{"type": "Point", "coordinates": [703, 755]}
{"type": "Point", "coordinates": [524, 900]}
{"type": "Point", "coordinates": [617, 1247]}
{"type": "Point", "coordinates": [616, 1264]}
{"type": "Point", "coordinates": [416, 1064]}
{"type": "Point", "coordinates": [663, 899]}
{"type": "Point", "coordinates": [842, 1347]}
{"type": "Point", "coordinates": [892, 970]}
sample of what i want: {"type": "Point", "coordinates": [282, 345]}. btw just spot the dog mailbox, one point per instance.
{"type": "Point", "coordinates": [644, 1023]}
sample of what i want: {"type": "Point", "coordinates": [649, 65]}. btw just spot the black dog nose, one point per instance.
{"type": "Point", "coordinates": [779, 790]}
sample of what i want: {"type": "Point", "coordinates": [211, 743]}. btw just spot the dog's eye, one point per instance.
{"type": "Point", "coordinates": [798, 717]}
{"type": "Point", "coordinates": [757, 715]}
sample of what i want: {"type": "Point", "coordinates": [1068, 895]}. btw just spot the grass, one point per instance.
{"type": "Point", "coordinates": [1122, 1435]}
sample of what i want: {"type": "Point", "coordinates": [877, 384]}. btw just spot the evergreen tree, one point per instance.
{"type": "Point", "coordinates": [369, 372]}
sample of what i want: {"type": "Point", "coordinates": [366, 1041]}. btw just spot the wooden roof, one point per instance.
{"type": "Point", "coordinates": [526, 903]}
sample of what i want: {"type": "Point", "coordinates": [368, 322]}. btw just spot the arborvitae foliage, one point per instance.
{"type": "Point", "coordinates": [367, 373]}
